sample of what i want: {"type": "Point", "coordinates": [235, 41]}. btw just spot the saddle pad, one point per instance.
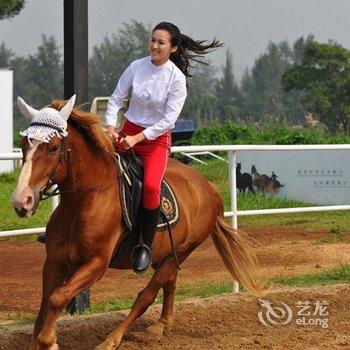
{"type": "Point", "coordinates": [169, 207]}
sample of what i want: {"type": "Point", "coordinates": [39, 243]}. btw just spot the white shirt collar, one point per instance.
{"type": "Point", "coordinates": [166, 64]}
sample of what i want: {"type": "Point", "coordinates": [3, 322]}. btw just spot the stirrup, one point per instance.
{"type": "Point", "coordinates": [141, 257]}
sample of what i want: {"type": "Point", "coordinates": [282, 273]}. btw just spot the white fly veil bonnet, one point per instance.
{"type": "Point", "coordinates": [46, 123]}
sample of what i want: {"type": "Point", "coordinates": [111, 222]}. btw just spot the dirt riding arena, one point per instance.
{"type": "Point", "coordinates": [225, 322]}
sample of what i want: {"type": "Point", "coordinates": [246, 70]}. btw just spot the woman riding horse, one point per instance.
{"type": "Point", "coordinates": [68, 147]}
{"type": "Point", "coordinates": [158, 84]}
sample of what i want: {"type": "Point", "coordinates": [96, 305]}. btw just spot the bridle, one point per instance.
{"type": "Point", "coordinates": [43, 193]}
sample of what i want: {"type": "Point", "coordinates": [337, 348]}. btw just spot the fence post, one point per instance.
{"type": "Point", "coordinates": [233, 192]}
{"type": "Point", "coordinates": [233, 187]}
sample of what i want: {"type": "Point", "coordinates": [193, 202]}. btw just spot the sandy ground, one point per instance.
{"type": "Point", "coordinates": [226, 322]}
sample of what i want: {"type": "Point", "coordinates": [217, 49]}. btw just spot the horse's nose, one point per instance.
{"type": "Point", "coordinates": [28, 202]}
{"type": "Point", "coordinates": [21, 213]}
{"type": "Point", "coordinates": [23, 199]}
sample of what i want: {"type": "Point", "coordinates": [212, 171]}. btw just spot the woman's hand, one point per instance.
{"type": "Point", "coordinates": [128, 142]}
{"type": "Point", "coordinates": [112, 133]}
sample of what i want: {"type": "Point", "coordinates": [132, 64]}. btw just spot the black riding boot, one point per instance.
{"type": "Point", "coordinates": [141, 255]}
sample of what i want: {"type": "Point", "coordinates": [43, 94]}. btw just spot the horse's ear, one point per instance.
{"type": "Point", "coordinates": [67, 109]}
{"type": "Point", "coordinates": [28, 111]}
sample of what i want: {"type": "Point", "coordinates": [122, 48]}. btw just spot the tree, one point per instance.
{"type": "Point", "coordinates": [201, 103]}
{"type": "Point", "coordinates": [47, 70]}
{"type": "Point", "coordinates": [227, 91]}
{"type": "Point", "coordinates": [299, 48]}
{"type": "Point", "coordinates": [5, 56]}
{"type": "Point", "coordinates": [38, 78]}
{"type": "Point", "coordinates": [266, 75]}
{"type": "Point", "coordinates": [323, 78]}
{"type": "Point", "coordinates": [110, 59]}
{"type": "Point", "coordinates": [10, 8]}
{"type": "Point", "coordinates": [263, 98]}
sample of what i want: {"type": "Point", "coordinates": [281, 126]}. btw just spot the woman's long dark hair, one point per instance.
{"type": "Point", "coordinates": [188, 49]}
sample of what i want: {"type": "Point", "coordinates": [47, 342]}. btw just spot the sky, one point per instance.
{"type": "Point", "coordinates": [245, 26]}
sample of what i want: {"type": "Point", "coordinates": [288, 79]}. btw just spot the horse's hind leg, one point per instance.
{"type": "Point", "coordinates": [166, 273]}
{"type": "Point", "coordinates": [166, 320]}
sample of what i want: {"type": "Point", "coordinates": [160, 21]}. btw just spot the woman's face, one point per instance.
{"type": "Point", "coordinates": [160, 46]}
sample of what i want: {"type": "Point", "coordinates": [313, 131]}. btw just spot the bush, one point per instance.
{"type": "Point", "coordinates": [232, 133]}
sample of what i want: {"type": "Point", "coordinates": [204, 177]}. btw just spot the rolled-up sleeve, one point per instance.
{"type": "Point", "coordinates": [175, 101]}
{"type": "Point", "coordinates": [115, 103]}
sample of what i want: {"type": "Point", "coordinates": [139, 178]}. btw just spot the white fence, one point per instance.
{"type": "Point", "coordinates": [232, 149]}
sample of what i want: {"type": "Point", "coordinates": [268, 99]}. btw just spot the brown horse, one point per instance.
{"type": "Point", "coordinates": [262, 182]}
{"type": "Point", "coordinates": [86, 228]}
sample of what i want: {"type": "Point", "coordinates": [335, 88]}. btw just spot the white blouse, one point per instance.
{"type": "Point", "coordinates": [158, 95]}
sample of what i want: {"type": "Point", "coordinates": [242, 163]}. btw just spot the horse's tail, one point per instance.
{"type": "Point", "coordinates": [237, 255]}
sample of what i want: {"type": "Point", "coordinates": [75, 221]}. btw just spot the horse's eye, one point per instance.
{"type": "Point", "coordinates": [53, 149]}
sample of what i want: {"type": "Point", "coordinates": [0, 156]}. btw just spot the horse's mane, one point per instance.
{"type": "Point", "coordinates": [90, 124]}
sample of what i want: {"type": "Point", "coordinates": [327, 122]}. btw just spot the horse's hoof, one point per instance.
{"type": "Point", "coordinates": [107, 345]}
{"type": "Point", "coordinates": [54, 347]}
{"type": "Point", "coordinates": [157, 329]}
{"type": "Point", "coordinates": [34, 347]}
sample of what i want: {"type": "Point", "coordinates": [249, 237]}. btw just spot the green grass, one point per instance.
{"type": "Point", "coordinates": [18, 319]}
{"type": "Point", "coordinates": [9, 219]}
{"type": "Point", "coordinates": [202, 290]}
{"type": "Point", "coordinates": [339, 274]}
{"type": "Point", "coordinates": [111, 305]}
{"type": "Point", "coordinates": [334, 221]}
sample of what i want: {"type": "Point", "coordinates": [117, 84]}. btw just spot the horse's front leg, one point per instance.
{"type": "Point", "coordinates": [52, 278]}
{"type": "Point", "coordinates": [83, 278]}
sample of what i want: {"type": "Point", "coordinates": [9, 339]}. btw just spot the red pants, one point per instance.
{"type": "Point", "coordinates": [154, 155]}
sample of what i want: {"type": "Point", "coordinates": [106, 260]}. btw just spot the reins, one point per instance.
{"type": "Point", "coordinates": [50, 182]}
{"type": "Point", "coordinates": [57, 190]}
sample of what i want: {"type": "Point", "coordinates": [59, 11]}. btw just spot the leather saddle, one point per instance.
{"type": "Point", "coordinates": [131, 176]}
{"type": "Point", "coordinates": [130, 187]}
